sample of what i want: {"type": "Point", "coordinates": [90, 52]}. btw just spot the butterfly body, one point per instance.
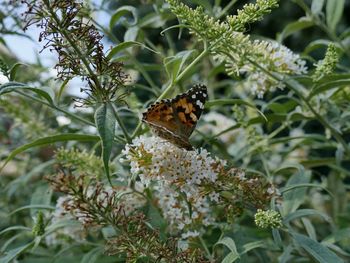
{"type": "Point", "coordinates": [176, 119]}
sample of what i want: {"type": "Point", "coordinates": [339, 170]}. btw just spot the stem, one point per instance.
{"type": "Point", "coordinates": [121, 124]}
{"type": "Point", "coordinates": [263, 160]}
{"type": "Point", "coordinates": [137, 129]}
{"type": "Point", "coordinates": [205, 248]}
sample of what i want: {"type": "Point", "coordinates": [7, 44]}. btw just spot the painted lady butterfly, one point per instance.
{"type": "Point", "coordinates": [176, 119]}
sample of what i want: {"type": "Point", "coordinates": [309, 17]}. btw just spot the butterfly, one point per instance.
{"type": "Point", "coordinates": [175, 119]}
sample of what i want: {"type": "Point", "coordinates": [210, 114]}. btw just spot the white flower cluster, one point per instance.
{"type": "Point", "coordinates": [274, 58]}
{"type": "Point", "coordinates": [178, 178]}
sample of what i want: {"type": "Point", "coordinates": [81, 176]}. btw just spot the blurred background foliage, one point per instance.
{"type": "Point", "coordinates": [291, 148]}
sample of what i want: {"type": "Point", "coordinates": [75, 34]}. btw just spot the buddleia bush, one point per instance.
{"type": "Point", "coordinates": [85, 180]}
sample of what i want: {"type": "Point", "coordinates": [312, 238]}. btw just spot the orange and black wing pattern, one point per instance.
{"type": "Point", "coordinates": [175, 119]}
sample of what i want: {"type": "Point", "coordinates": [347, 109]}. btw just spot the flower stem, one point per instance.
{"type": "Point", "coordinates": [205, 248]}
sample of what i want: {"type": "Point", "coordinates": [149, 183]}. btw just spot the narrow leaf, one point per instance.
{"type": "Point", "coordinates": [251, 245]}
{"type": "Point", "coordinates": [231, 257]}
{"type": "Point", "coordinates": [319, 252]}
{"type": "Point", "coordinates": [105, 123]}
{"type": "Point", "coordinates": [295, 197]}
{"type": "Point", "coordinates": [92, 256]}
{"type": "Point", "coordinates": [13, 253]}
{"type": "Point", "coordinates": [50, 140]}
{"type": "Point", "coordinates": [125, 45]}
{"type": "Point", "coordinates": [16, 86]}
{"type": "Point", "coordinates": [14, 69]}
{"type": "Point", "coordinates": [316, 6]}
{"type": "Point", "coordinates": [293, 27]}
{"type": "Point", "coordinates": [174, 64]}
{"type": "Point", "coordinates": [334, 12]}
{"type": "Point", "coordinates": [338, 236]}
{"type": "Point", "coordinates": [305, 212]}
{"type": "Point", "coordinates": [229, 243]}
{"type": "Point", "coordinates": [122, 11]}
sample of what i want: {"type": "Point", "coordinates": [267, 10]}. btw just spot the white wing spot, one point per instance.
{"type": "Point", "coordinates": [200, 104]}
{"type": "Point", "coordinates": [193, 96]}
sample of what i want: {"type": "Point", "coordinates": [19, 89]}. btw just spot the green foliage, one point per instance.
{"type": "Point", "coordinates": [82, 180]}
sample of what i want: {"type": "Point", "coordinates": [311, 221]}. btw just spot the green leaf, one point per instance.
{"type": "Point", "coordinates": [14, 69]}
{"type": "Point", "coordinates": [61, 89]}
{"type": "Point", "coordinates": [291, 187]}
{"type": "Point", "coordinates": [316, 6]}
{"type": "Point", "coordinates": [293, 27]}
{"type": "Point", "coordinates": [120, 12]}
{"type": "Point", "coordinates": [152, 20]}
{"type": "Point", "coordinates": [277, 237]}
{"type": "Point", "coordinates": [125, 45]}
{"type": "Point", "coordinates": [286, 255]}
{"type": "Point", "coordinates": [330, 82]}
{"type": "Point", "coordinates": [174, 64]}
{"type": "Point", "coordinates": [92, 256]}
{"type": "Point", "coordinates": [230, 244]}
{"type": "Point", "coordinates": [49, 207]}
{"type": "Point", "coordinates": [305, 212]}
{"type": "Point", "coordinates": [15, 228]}
{"type": "Point", "coordinates": [62, 223]}
{"type": "Point", "coordinates": [16, 86]}
{"type": "Point", "coordinates": [295, 197]}
{"type": "Point", "coordinates": [13, 253]}
{"type": "Point", "coordinates": [131, 34]}
{"type": "Point", "coordinates": [316, 44]}
{"type": "Point", "coordinates": [334, 12]}
{"type": "Point", "coordinates": [338, 236]}
{"type": "Point", "coordinates": [310, 229]}
{"type": "Point", "coordinates": [230, 257]}
{"type": "Point", "coordinates": [105, 123]}
{"type": "Point", "coordinates": [319, 252]}
{"type": "Point", "coordinates": [250, 246]}
{"type": "Point", "coordinates": [50, 140]}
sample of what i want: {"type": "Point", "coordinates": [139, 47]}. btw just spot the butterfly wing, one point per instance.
{"type": "Point", "coordinates": [188, 108]}
{"type": "Point", "coordinates": [176, 119]}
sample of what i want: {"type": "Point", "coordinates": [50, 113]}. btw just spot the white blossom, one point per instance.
{"type": "Point", "coordinates": [282, 60]}
{"type": "Point", "coordinates": [176, 175]}
{"type": "Point", "coordinates": [3, 78]}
